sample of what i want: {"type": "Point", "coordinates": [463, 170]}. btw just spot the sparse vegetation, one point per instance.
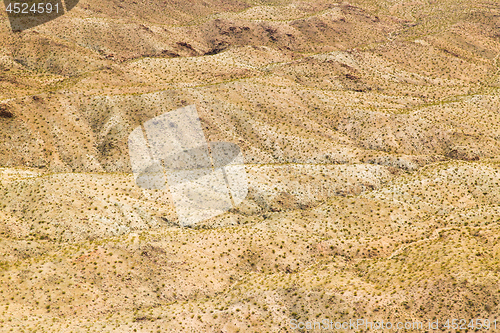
{"type": "Point", "coordinates": [371, 135]}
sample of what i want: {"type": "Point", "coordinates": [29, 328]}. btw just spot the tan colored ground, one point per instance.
{"type": "Point", "coordinates": [371, 133]}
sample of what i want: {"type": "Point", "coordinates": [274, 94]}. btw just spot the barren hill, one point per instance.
{"type": "Point", "coordinates": [371, 137]}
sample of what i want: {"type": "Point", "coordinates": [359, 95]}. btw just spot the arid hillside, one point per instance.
{"type": "Point", "coordinates": [370, 131]}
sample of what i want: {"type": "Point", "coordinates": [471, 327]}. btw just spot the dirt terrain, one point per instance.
{"type": "Point", "coordinates": [370, 131]}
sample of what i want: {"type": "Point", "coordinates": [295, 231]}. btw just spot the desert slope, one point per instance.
{"type": "Point", "coordinates": [370, 132]}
